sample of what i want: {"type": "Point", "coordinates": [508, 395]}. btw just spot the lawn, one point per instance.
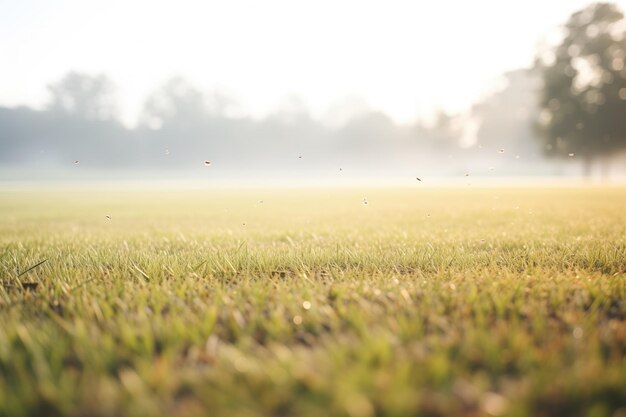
{"type": "Point", "coordinates": [465, 301]}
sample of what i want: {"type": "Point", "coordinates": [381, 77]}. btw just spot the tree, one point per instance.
{"type": "Point", "coordinates": [583, 99]}
{"type": "Point", "coordinates": [446, 131]}
{"type": "Point", "coordinates": [176, 103]}
{"type": "Point", "coordinates": [86, 96]}
{"type": "Point", "coordinates": [505, 118]}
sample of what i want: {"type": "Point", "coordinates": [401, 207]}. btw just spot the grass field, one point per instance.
{"type": "Point", "coordinates": [424, 301]}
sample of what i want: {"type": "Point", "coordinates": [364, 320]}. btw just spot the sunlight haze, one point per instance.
{"type": "Point", "coordinates": [405, 58]}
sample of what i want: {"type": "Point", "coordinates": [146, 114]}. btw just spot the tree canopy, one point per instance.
{"type": "Point", "coordinates": [583, 99]}
{"type": "Point", "coordinates": [90, 97]}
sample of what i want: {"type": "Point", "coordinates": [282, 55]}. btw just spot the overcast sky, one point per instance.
{"type": "Point", "coordinates": [406, 58]}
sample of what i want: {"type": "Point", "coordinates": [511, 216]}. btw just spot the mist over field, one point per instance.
{"type": "Point", "coordinates": [78, 137]}
{"type": "Point", "coordinates": [80, 127]}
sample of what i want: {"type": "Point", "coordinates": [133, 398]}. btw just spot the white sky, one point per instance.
{"type": "Point", "coordinates": [406, 58]}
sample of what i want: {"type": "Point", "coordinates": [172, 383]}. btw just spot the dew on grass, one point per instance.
{"type": "Point", "coordinates": [297, 320]}
{"type": "Point", "coordinates": [306, 305]}
{"type": "Point", "coordinates": [577, 333]}
{"type": "Point", "coordinates": [494, 404]}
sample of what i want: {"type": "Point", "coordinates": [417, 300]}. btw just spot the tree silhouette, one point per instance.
{"type": "Point", "coordinates": [583, 100]}
{"type": "Point", "coordinates": [506, 116]}
{"type": "Point", "coordinates": [85, 96]}
{"type": "Point", "coordinates": [175, 104]}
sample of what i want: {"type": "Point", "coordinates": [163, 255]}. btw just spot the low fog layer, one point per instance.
{"type": "Point", "coordinates": [181, 128]}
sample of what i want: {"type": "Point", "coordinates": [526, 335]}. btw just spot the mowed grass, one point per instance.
{"type": "Point", "coordinates": [424, 301]}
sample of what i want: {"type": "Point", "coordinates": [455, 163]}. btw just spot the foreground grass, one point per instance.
{"type": "Point", "coordinates": [462, 302]}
